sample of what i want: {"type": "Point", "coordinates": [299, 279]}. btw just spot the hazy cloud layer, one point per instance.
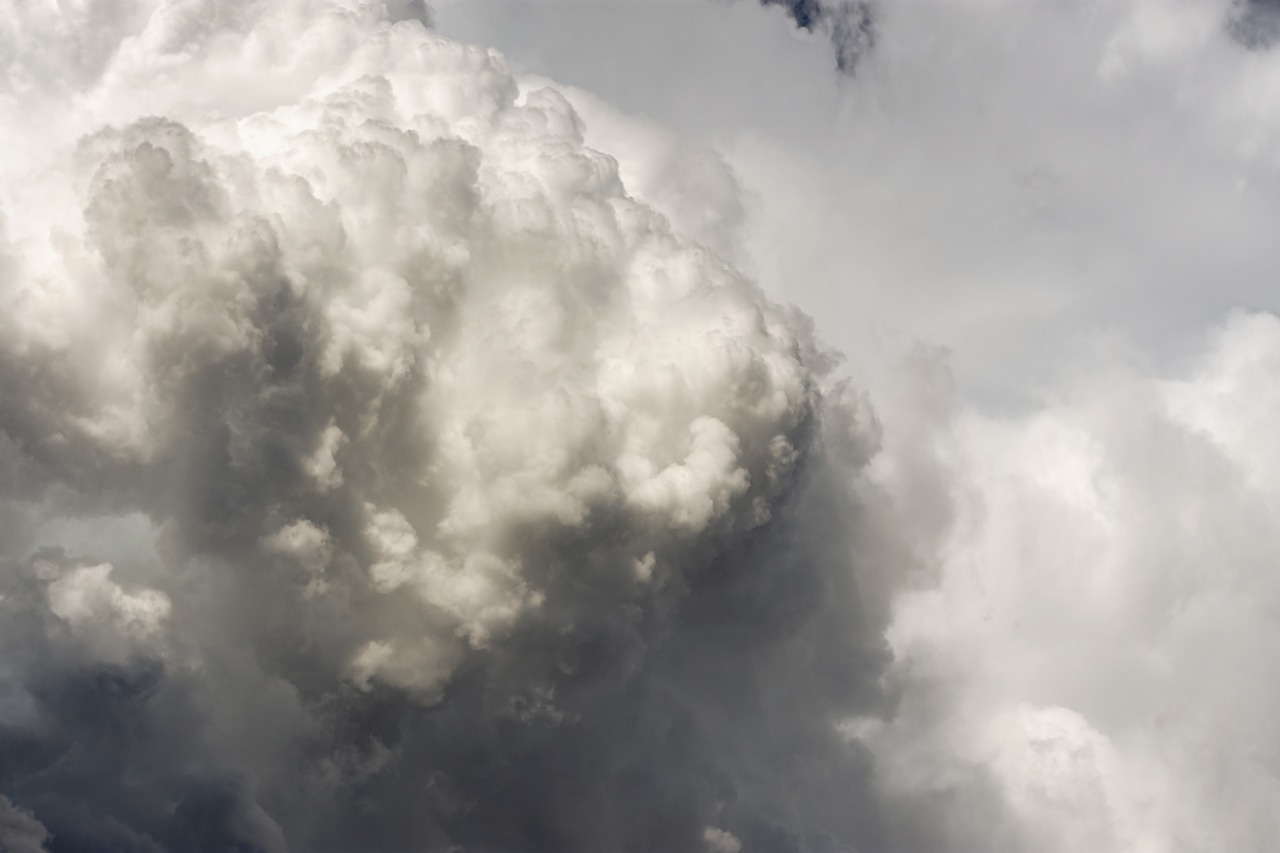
{"type": "Point", "coordinates": [1026, 184]}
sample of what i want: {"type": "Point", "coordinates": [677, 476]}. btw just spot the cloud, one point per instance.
{"type": "Point", "coordinates": [19, 831]}
{"type": "Point", "coordinates": [448, 496]}
{"type": "Point", "coordinates": [1010, 182]}
{"type": "Point", "coordinates": [393, 454]}
{"type": "Point", "coordinates": [1093, 642]}
{"type": "Point", "coordinates": [850, 23]}
{"type": "Point", "coordinates": [1255, 23]}
{"type": "Point", "coordinates": [1040, 183]}
{"type": "Point", "coordinates": [1071, 207]}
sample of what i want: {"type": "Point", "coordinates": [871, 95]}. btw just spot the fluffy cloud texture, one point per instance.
{"type": "Point", "coordinates": [1091, 643]}
{"type": "Point", "coordinates": [381, 475]}
{"type": "Point", "coordinates": [1078, 203]}
{"type": "Point", "coordinates": [393, 456]}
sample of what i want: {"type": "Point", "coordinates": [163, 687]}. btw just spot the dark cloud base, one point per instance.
{"type": "Point", "coordinates": [661, 729]}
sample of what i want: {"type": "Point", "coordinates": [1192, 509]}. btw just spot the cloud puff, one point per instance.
{"type": "Point", "coordinates": [1094, 643]}
{"type": "Point", "coordinates": [19, 831]}
{"type": "Point", "coordinates": [453, 499]}
{"type": "Point", "coordinates": [384, 466]}
{"type": "Point", "coordinates": [1076, 496]}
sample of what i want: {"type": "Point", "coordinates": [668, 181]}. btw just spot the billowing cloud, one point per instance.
{"type": "Point", "coordinates": [19, 831]}
{"type": "Point", "coordinates": [445, 496]}
{"type": "Point", "coordinates": [1094, 643]}
{"type": "Point", "coordinates": [1077, 202]}
{"type": "Point", "coordinates": [394, 456]}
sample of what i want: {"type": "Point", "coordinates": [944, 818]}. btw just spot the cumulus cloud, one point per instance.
{"type": "Point", "coordinates": [1094, 644]}
{"type": "Point", "coordinates": [1069, 200]}
{"type": "Point", "coordinates": [393, 454]}
{"type": "Point", "coordinates": [445, 495]}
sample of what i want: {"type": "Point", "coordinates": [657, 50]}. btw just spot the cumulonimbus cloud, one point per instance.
{"type": "Point", "coordinates": [384, 466]}
{"type": "Point", "coordinates": [1080, 657]}
{"type": "Point", "coordinates": [442, 496]}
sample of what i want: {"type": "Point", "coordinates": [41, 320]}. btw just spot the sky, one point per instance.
{"type": "Point", "coordinates": [637, 425]}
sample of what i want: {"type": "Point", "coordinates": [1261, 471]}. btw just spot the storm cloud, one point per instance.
{"type": "Point", "coordinates": [381, 475]}
{"type": "Point", "coordinates": [402, 453]}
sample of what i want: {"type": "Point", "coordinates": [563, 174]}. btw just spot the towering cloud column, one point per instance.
{"type": "Point", "coordinates": [380, 475]}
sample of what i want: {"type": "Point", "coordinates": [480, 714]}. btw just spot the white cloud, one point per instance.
{"type": "Point", "coordinates": [1103, 609]}
{"type": "Point", "coordinates": [1068, 199]}
{"type": "Point", "coordinates": [719, 841]}
{"type": "Point", "coordinates": [113, 621]}
{"type": "Point", "coordinates": [444, 441]}
{"type": "Point", "coordinates": [577, 508]}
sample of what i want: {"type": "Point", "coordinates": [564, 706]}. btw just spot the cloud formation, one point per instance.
{"type": "Point", "coordinates": [1070, 199]}
{"type": "Point", "coordinates": [19, 831]}
{"type": "Point", "coordinates": [1093, 641]}
{"type": "Point", "coordinates": [391, 478]}
{"type": "Point", "coordinates": [393, 455]}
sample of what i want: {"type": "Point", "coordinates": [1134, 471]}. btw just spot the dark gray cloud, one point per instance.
{"type": "Point", "coordinates": [851, 25]}
{"type": "Point", "coordinates": [1255, 23]}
